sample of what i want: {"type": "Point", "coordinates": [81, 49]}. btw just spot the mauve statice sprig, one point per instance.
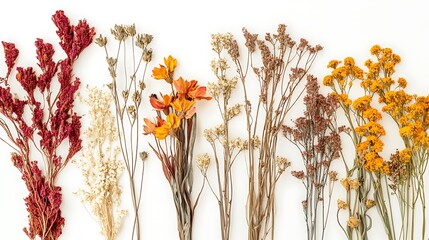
{"type": "Point", "coordinates": [53, 121]}
{"type": "Point", "coordinates": [317, 137]}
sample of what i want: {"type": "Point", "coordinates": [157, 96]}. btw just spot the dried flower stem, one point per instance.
{"type": "Point", "coordinates": [278, 93]}
{"type": "Point", "coordinates": [317, 137]}
{"type": "Point", "coordinates": [100, 165]}
{"type": "Point", "coordinates": [127, 94]}
{"type": "Point", "coordinates": [53, 122]}
{"type": "Point", "coordinates": [219, 137]}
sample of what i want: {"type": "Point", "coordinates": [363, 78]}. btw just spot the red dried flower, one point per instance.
{"type": "Point", "coordinates": [10, 53]}
{"type": "Point", "coordinates": [53, 119]}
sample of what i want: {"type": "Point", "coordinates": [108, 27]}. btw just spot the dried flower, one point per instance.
{"type": "Point", "coordinates": [342, 205]}
{"type": "Point", "coordinates": [100, 166]}
{"type": "Point", "coordinates": [317, 137]}
{"type": "Point", "coordinates": [53, 122]}
{"type": "Point", "coordinates": [175, 137]}
{"type": "Point", "coordinates": [127, 96]}
{"type": "Point", "coordinates": [203, 162]}
{"type": "Point", "coordinates": [353, 222]}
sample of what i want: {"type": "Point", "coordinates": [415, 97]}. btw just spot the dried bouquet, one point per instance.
{"type": "Point", "coordinates": [285, 64]}
{"type": "Point", "coordinates": [174, 130]}
{"type": "Point", "coordinates": [41, 127]}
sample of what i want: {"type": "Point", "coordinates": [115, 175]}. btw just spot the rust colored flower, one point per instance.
{"type": "Point", "coordinates": [190, 89]}
{"type": "Point", "coordinates": [161, 105]}
{"type": "Point", "coordinates": [150, 126]}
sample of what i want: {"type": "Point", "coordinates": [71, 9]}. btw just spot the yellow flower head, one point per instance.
{"type": "Point", "coordinates": [375, 50]}
{"type": "Point", "coordinates": [171, 63]}
{"type": "Point", "coordinates": [168, 127]}
{"type": "Point", "coordinates": [328, 81]}
{"type": "Point", "coordinates": [184, 107]}
{"type": "Point", "coordinates": [369, 203]}
{"type": "Point", "coordinates": [405, 155]}
{"type": "Point", "coordinates": [361, 104]}
{"type": "Point", "coordinates": [342, 205]}
{"type": "Point", "coordinates": [372, 114]}
{"type": "Point", "coordinates": [353, 222]}
{"type": "Point", "coordinates": [346, 183]}
{"type": "Point", "coordinates": [349, 61]}
{"type": "Point", "coordinates": [333, 64]}
{"type": "Point", "coordinates": [160, 73]}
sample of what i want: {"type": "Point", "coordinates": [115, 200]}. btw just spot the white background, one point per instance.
{"type": "Point", "coordinates": [182, 29]}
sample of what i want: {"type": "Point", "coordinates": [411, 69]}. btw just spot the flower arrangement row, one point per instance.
{"type": "Point", "coordinates": [272, 74]}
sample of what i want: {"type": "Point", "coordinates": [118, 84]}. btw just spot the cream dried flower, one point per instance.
{"type": "Point", "coordinates": [100, 166]}
{"type": "Point", "coordinates": [282, 163]}
{"type": "Point", "coordinates": [221, 41]}
{"type": "Point", "coordinates": [342, 205]}
{"type": "Point", "coordinates": [203, 162]}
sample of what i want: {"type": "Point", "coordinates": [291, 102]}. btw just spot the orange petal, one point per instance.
{"type": "Point", "coordinates": [149, 126]}
{"type": "Point", "coordinates": [173, 121]}
{"type": "Point", "coordinates": [199, 93]}
{"type": "Point", "coordinates": [160, 73]}
{"type": "Point", "coordinates": [162, 132]}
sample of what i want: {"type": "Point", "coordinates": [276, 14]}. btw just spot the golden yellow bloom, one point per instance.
{"type": "Point", "coordinates": [333, 64]}
{"type": "Point", "coordinates": [349, 61]}
{"type": "Point", "coordinates": [185, 108]}
{"type": "Point", "coordinates": [171, 63]}
{"type": "Point", "coordinates": [369, 203]}
{"type": "Point", "coordinates": [160, 73]}
{"type": "Point", "coordinates": [353, 222]}
{"type": "Point", "coordinates": [342, 205]}
{"type": "Point", "coordinates": [375, 50]}
{"type": "Point", "coordinates": [374, 163]}
{"type": "Point", "coordinates": [405, 155]}
{"type": "Point", "coordinates": [354, 184]}
{"type": "Point", "coordinates": [328, 81]}
{"type": "Point", "coordinates": [372, 114]}
{"type": "Point", "coordinates": [362, 103]}
{"type": "Point", "coordinates": [172, 123]}
{"type": "Point", "coordinates": [344, 98]}
{"type": "Point", "coordinates": [396, 58]}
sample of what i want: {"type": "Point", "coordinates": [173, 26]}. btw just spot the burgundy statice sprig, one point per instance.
{"type": "Point", "coordinates": [53, 123]}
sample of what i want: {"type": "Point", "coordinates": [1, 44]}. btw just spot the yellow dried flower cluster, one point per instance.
{"type": "Point", "coordinates": [368, 130]}
{"type": "Point", "coordinates": [100, 166]}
